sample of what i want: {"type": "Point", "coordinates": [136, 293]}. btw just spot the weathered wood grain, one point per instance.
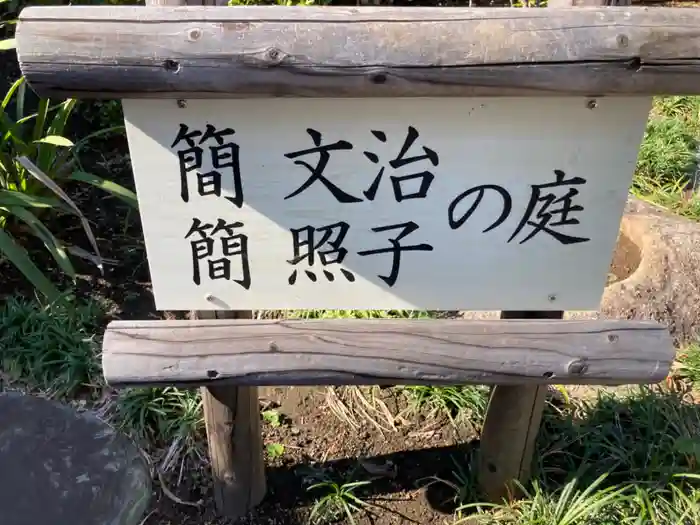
{"type": "Point", "coordinates": [331, 352]}
{"type": "Point", "coordinates": [232, 421]}
{"type": "Point", "coordinates": [136, 52]}
{"type": "Point", "coordinates": [511, 425]}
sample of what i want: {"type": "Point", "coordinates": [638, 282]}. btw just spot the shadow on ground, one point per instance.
{"type": "Point", "coordinates": [645, 438]}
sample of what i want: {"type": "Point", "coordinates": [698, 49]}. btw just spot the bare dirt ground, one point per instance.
{"type": "Point", "coordinates": [400, 458]}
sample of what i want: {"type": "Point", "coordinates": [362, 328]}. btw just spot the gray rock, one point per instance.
{"type": "Point", "coordinates": [59, 466]}
{"type": "Point", "coordinates": [666, 285]}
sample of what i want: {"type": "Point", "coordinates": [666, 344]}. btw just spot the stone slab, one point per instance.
{"type": "Point", "coordinates": [59, 466]}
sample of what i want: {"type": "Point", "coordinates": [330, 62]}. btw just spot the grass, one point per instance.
{"type": "Point", "coordinates": [161, 416]}
{"type": "Point", "coordinates": [626, 459]}
{"type": "Point", "coordinates": [337, 498]}
{"type": "Point", "coordinates": [572, 505]}
{"type": "Point", "coordinates": [669, 154]}
{"type": "Point", "coordinates": [348, 314]}
{"type": "Point", "coordinates": [455, 402]}
{"type": "Point", "coordinates": [689, 364]}
{"type": "Point", "coordinates": [51, 348]}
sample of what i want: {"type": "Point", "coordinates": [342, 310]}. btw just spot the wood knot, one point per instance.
{"type": "Point", "coordinates": [194, 34]}
{"type": "Point", "coordinates": [274, 56]}
{"type": "Point", "coordinates": [379, 78]}
{"type": "Point", "coordinates": [578, 367]}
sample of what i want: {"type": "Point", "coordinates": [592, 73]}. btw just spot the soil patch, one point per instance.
{"type": "Point", "coordinates": [400, 459]}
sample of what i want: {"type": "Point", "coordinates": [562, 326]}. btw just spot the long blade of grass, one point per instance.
{"type": "Point", "coordinates": [35, 115]}
{"type": "Point", "coordinates": [46, 154]}
{"type": "Point", "coordinates": [20, 258]}
{"type": "Point", "coordinates": [119, 191]}
{"type": "Point", "coordinates": [55, 140]}
{"type": "Point", "coordinates": [58, 124]}
{"type": "Point", "coordinates": [37, 173]}
{"type": "Point", "coordinates": [588, 503]}
{"type": "Point", "coordinates": [40, 122]}
{"type": "Point", "coordinates": [10, 92]}
{"type": "Point", "coordinates": [6, 45]}
{"type": "Point", "coordinates": [21, 95]}
{"type": "Point", "coordinates": [9, 129]}
{"type": "Point", "coordinates": [99, 133]}
{"type": "Point", "coordinates": [52, 244]}
{"type": "Point", "coordinates": [18, 198]}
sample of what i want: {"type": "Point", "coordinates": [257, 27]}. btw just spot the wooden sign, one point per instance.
{"type": "Point", "coordinates": [426, 203]}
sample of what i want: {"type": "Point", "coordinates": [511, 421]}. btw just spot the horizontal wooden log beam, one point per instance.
{"type": "Point", "coordinates": [334, 352]}
{"type": "Point", "coordinates": [253, 51]}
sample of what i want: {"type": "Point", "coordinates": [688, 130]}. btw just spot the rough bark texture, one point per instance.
{"type": "Point", "coordinates": [355, 351]}
{"type": "Point", "coordinates": [369, 51]}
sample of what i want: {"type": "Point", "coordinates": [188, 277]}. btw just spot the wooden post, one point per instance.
{"type": "Point", "coordinates": [232, 420]}
{"type": "Point", "coordinates": [514, 412]}
{"type": "Point", "coordinates": [231, 414]}
{"type": "Point", "coordinates": [510, 430]}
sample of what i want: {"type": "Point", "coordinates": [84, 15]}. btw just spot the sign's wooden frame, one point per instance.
{"type": "Point", "coordinates": [209, 52]}
{"type": "Point", "coordinates": [192, 49]}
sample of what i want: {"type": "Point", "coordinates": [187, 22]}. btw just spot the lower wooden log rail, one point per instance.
{"type": "Point", "coordinates": [519, 355]}
{"type": "Point", "coordinates": [384, 351]}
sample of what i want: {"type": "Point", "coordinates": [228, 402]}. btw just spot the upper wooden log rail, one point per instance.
{"type": "Point", "coordinates": [254, 51]}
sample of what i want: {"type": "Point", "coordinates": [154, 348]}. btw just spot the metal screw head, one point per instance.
{"type": "Point", "coordinates": [551, 298]}
{"type": "Point", "coordinates": [209, 297]}
{"type": "Point", "coordinates": [613, 338]}
{"type": "Point", "coordinates": [592, 104]}
{"type": "Point", "coordinates": [622, 40]}
{"type": "Point", "coordinates": [194, 34]}
{"type": "Point", "coordinates": [182, 104]}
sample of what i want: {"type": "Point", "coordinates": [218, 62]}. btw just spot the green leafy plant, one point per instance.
{"type": "Point", "coordinates": [272, 417]}
{"type": "Point", "coordinates": [594, 505]}
{"type": "Point", "coordinates": [338, 500]}
{"type": "Point", "coordinates": [689, 364]}
{"type": "Point", "coordinates": [160, 416]}
{"type": "Point", "coordinates": [455, 402]}
{"type": "Point", "coordinates": [275, 450]}
{"type": "Point", "coordinates": [36, 158]}
{"type": "Point", "coordinates": [6, 43]}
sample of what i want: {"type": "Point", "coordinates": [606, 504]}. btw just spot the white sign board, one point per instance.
{"type": "Point", "coordinates": [425, 203]}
